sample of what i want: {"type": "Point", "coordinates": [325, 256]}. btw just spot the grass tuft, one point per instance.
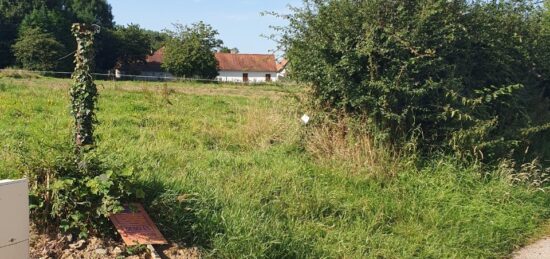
{"type": "Point", "coordinates": [345, 144]}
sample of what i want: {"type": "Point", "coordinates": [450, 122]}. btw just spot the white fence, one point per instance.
{"type": "Point", "coordinates": [124, 77]}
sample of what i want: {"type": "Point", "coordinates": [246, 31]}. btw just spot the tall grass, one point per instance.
{"type": "Point", "coordinates": [239, 176]}
{"type": "Point", "coordinates": [344, 142]}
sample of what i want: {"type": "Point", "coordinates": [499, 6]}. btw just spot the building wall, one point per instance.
{"type": "Point", "coordinates": [253, 77]}
{"type": "Point", "coordinates": [224, 76]}
{"type": "Point", "coordinates": [282, 73]}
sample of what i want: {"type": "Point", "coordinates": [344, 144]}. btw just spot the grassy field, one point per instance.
{"type": "Point", "coordinates": [226, 169]}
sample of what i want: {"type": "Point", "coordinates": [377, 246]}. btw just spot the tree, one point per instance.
{"type": "Point", "coordinates": [54, 16]}
{"type": "Point", "coordinates": [455, 71]}
{"type": "Point", "coordinates": [90, 12]}
{"type": "Point", "coordinates": [12, 12]}
{"type": "Point", "coordinates": [6, 55]}
{"type": "Point", "coordinates": [44, 57]}
{"type": "Point", "coordinates": [158, 39]}
{"type": "Point", "coordinates": [54, 22]}
{"type": "Point", "coordinates": [133, 44]}
{"type": "Point", "coordinates": [121, 46]}
{"type": "Point", "coordinates": [190, 51]}
{"type": "Point", "coordinates": [228, 50]}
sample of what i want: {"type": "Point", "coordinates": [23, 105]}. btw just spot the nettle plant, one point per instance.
{"type": "Point", "coordinates": [79, 191]}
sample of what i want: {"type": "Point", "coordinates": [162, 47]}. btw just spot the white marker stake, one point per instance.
{"type": "Point", "coordinates": [305, 119]}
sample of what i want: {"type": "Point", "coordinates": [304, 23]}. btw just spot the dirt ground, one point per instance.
{"type": "Point", "coordinates": [538, 250]}
{"type": "Point", "coordinates": [46, 246]}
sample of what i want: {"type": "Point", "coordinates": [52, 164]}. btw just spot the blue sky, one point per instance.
{"type": "Point", "coordinates": [238, 21]}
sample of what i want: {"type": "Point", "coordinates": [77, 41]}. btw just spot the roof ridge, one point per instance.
{"type": "Point", "coordinates": [245, 54]}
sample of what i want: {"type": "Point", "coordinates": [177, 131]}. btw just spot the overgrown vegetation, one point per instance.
{"type": "Point", "coordinates": [468, 77]}
{"type": "Point", "coordinates": [77, 192]}
{"type": "Point", "coordinates": [84, 91]}
{"type": "Point", "coordinates": [408, 97]}
{"type": "Point", "coordinates": [236, 173]}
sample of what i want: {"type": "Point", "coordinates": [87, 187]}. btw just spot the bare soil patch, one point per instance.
{"type": "Point", "coordinates": [46, 246]}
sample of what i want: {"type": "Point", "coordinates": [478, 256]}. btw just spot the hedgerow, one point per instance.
{"type": "Point", "coordinates": [467, 77]}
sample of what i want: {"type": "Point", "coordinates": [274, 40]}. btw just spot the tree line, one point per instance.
{"type": "Point", "coordinates": [35, 35]}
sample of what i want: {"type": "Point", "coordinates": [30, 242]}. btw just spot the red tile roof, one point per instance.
{"type": "Point", "coordinates": [246, 62]}
{"type": "Point", "coordinates": [157, 57]}
{"type": "Point", "coordinates": [226, 62]}
{"type": "Point", "coordinates": [153, 62]}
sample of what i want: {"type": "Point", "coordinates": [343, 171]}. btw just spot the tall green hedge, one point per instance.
{"type": "Point", "coordinates": [459, 75]}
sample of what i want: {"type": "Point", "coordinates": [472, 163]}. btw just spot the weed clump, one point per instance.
{"type": "Point", "coordinates": [77, 194]}
{"type": "Point", "coordinates": [346, 142]}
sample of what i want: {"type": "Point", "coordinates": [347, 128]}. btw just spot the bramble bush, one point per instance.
{"type": "Point", "coordinates": [468, 77]}
{"type": "Point", "coordinates": [77, 193]}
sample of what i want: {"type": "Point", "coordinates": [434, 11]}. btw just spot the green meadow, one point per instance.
{"type": "Point", "coordinates": [226, 168]}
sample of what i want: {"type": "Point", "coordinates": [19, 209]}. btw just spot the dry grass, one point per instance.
{"type": "Point", "coordinates": [533, 173]}
{"type": "Point", "coordinates": [342, 143]}
{"type": "Point", "coordinates": [18, 74]}
{"type": "Point", "coordinates": [265, 127]}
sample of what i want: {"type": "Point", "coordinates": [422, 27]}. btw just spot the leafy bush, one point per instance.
{"type": "Point", "coordinates": [189, 51]}
{"type": "Point", "coordinates": [462, 75]}
{"type": "Point", "coordinates": [78, 194]}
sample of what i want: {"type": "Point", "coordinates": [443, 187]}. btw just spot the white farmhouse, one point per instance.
{"type": "Point", "coordinates": [232, 67]}
{"type": "Point", "coordinates": [254, 68]}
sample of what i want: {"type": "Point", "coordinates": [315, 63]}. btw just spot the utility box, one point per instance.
{"type": "Point", "coordinates": [14, 219]}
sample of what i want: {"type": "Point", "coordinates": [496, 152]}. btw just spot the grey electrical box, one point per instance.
{"type": "Point", "coordinates": [14, 219]}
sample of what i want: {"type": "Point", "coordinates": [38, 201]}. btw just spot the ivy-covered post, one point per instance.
{"type": "Point", "coordinates": [84, 91]}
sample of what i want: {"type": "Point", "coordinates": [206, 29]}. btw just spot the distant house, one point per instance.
{"type": "Point", "coordinates": [150, 70]}
{"type": "Point", "coordinates": [254, 68]}
{"type": "Point", "coordinates": [153, 65]}
{"type": "Point", "coordinates": [232, 67]}
{"type": "Point", "coordinates": [281, 68]}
